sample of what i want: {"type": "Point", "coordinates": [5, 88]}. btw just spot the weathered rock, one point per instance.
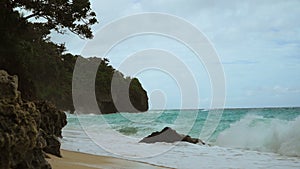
{"type": "Point", "coordinates": [53, 145]}
{"type": "Point", "coordinates": [52, 122]}
{"type": "Point", "coordinates": [192, 140]}
{"type": "Point", "coordinates": [9, 87]}
{"type": "Point", "coordinates": [169, 135]}
{"type": "Point", "coordinates": [20, 143]}
{"type": "Point", "coordinates": [25, 132]}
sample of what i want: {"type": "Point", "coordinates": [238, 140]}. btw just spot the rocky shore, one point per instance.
{"type": "Point", "coordinates": [28, 129]}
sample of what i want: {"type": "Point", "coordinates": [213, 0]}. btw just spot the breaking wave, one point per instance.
{"type": "Point", "coordinates": [257, 133]}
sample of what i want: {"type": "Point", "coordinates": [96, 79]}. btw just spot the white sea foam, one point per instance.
{"type": "Point", "coordinates": [177, 155]}
{"type": "Point", "coordinates": [251, 142]}
{"type": "Point", "coordinates": [180, 155]}
{"type": "Point", "coordinates": [268, 135]}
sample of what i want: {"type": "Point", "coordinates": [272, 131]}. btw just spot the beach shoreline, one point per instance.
{"type": "Point", "coordinates": [79, 160]}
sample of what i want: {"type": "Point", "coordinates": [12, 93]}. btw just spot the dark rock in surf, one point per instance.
{"type": "Point", "coordinates": [169, 135]}
{"type": "Point", "coordinates": [192, 140]}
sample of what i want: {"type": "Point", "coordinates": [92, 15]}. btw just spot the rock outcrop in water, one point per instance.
{"type": "Point", "coordinates": [26, 129]}
{"type": "Point", "coordinates": [169, 135]}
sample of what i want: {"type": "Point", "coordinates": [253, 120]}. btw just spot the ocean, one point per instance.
{"type": "Point", "coordinates": [243, 138]}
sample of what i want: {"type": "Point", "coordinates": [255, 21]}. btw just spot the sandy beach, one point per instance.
{"type": "Point", "coordinates": [76, 160]}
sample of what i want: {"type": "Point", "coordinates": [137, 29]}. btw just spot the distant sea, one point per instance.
{"type": "Point", "coordinates": [244, 138]}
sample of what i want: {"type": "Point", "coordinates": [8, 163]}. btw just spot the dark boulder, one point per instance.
{"type": "Point", "coordinates": [192, 140]}
{"type": "Point", "coordinates": [169, 135]}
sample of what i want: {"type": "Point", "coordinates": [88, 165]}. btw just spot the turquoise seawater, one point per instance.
{"type": "Point", "coordinates": [243, 138]}
{"type": "Point", "coordinates": [263, 129]}
{"type": "Point", "coordinates": [131, 124]}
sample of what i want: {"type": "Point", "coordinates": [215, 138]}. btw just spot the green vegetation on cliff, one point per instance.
{"type": "Point", "coordinates": [44, 70]}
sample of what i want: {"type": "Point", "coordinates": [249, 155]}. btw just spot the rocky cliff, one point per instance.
{"type": "Point", "coordinates": [49, 77]}
{"type": "Point", "coordinates": [27, 130]}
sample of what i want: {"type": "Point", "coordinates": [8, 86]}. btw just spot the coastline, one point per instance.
{"type": "Point", "coordinates": [78, 160]}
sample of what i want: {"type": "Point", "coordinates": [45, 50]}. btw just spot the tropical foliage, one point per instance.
{"type": "Point", "coordinates": [43, 67]}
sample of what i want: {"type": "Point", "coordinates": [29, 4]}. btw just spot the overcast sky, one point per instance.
{"type": "Point", "coordinates": [258, 43]}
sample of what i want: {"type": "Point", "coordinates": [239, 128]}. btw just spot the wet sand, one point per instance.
{"type": "Point", "coordinates": [76, 160]}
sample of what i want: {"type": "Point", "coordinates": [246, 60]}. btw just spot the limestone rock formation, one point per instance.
{"type": "Point", "coordinates": [52, 122]}
{"type": "Point", "coordinates": [25, 132]}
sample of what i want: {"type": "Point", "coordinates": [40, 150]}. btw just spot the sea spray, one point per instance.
{"type": "Point", "coordinates": [186, 155]}
{"type": "Point", "coordinates": [258, 133]}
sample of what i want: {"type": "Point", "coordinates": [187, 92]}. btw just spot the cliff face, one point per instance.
{"type": "Point", "coordinates": [138, 98]}
{"type": "Point", "coordinates": [27, 130]}
{"type": "Point", "coordinates": [49, 77]}
{"type": "Point", "coordinates": [108, 101]}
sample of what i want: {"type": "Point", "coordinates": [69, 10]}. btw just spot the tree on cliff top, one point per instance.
{"type": "Point", "coordinates": [44, 71]}
{"type": "Point", "coordinates": [25, 47]}
{"type": "Point", "coordinates": [75, 15]}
